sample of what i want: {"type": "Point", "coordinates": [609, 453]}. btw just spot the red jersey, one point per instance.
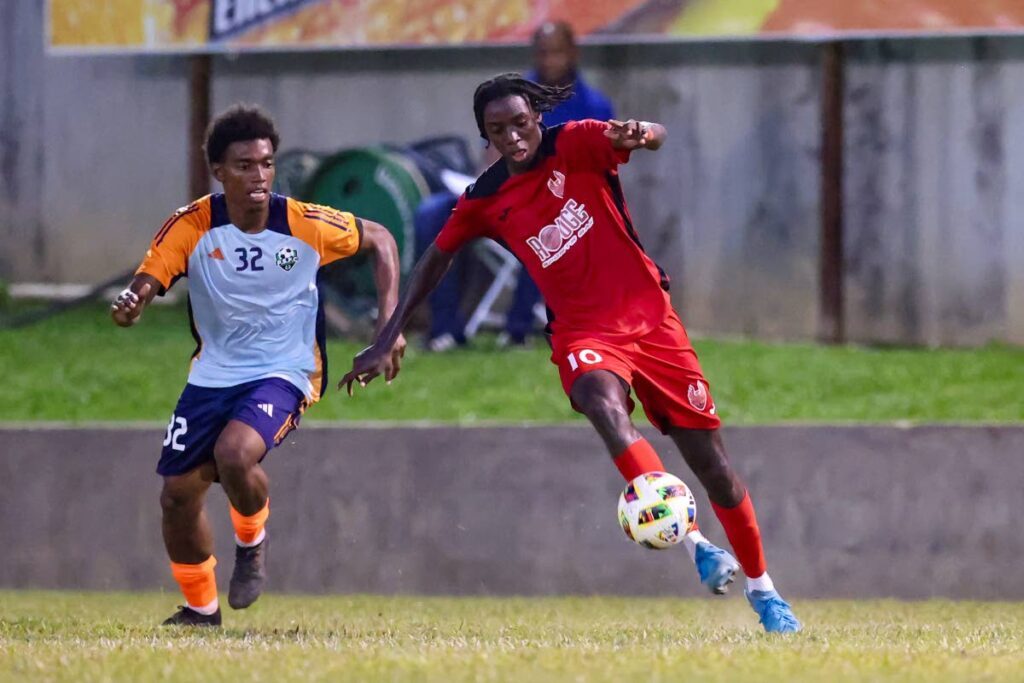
{"type": "Point", "coordinates": [566, 220]}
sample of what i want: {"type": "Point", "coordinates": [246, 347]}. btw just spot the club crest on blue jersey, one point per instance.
{"type": "Point", "coordinates": [286, 257]}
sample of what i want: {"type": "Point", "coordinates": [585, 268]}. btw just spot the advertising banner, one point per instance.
{"type": "Point", "coordinates": [140, 26]}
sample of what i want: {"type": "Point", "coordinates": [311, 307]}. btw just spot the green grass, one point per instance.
{"type": "Point", "coordinates": [79, 367]}
{"type": "Point", "coordinates": [102, 637]}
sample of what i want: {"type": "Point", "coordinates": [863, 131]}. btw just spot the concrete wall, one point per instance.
{"type": "Point", "coordinates": [845, 512]}
{"type": "Point", "coordinates": [935, 191]}
{"type": "Point", "coordinates": [92, 160]}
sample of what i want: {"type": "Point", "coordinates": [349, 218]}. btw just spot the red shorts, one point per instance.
{"type": "Point", "coordinates": [661, 367]}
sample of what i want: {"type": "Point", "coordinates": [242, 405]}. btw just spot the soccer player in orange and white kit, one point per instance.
{"type": "Point", "coordinates": [555, 201]}
{"type": "Point", "coordinates": [253, 260]}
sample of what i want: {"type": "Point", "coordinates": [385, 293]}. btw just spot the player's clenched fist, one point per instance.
{"type": "Point", "coordinates": [127, 306]}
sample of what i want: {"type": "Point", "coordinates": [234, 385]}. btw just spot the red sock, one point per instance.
{"type": "Point", "coordinates": [740, 525]}
{"type": "Point", "coordinates": [638, 458]}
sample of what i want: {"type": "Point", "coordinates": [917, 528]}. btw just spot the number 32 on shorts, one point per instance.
{"type": "Point", "coordinates": [176, 429]}
{"type": "Point", "coordinates": [586, 356]}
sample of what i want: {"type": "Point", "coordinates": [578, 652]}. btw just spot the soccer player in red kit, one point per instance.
{"type": "Point", "coordinates": [555, 201]}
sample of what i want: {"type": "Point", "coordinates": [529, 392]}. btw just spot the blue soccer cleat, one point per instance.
{"type": "Point", "coordinates": [775, 613]}
{"type": "Point", "coordinates": [716, 567]}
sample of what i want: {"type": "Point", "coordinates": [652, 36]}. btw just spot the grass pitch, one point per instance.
{"type": "Point", "coordinates": [108, 637]}
{"type": "Point", "coordinates": [79, 367]}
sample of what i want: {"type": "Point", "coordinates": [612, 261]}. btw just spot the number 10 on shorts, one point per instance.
{"type": "Point", "coordinates": [586, 356]}
{"type": "Point", "coordinates": [176, 428]}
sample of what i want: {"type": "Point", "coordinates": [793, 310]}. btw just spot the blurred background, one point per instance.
{"type": "Point", "coordinates": [909, 225]}
{"type": "Point", "coordinates": [839, 205]}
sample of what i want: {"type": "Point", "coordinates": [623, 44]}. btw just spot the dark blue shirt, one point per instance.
{"type": "Point", "coordinates": [586, 103]}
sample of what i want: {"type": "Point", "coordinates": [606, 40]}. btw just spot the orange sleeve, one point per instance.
{"type": "Point", "coordinates": [334, 234]}
{"type": "Point", "coordinates": [167, 256]}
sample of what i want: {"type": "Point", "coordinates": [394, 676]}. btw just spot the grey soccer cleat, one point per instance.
{"type": "Point", "coordinates": [249, 575]}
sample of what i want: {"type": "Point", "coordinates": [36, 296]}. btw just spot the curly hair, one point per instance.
{"type": "Point", "coordinates": [240, 123]}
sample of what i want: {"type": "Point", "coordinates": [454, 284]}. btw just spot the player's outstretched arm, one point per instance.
{"type": "Point", "coordinates": [380, 244]}
{"type": "Point", "coordinates": [372, 361]}
{"type": "Point", "coordinates": [129, 304]}
{"type": "Point", "coordinates": [633, 134]}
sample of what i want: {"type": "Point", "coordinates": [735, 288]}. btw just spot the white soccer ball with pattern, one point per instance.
{"type": "Point", "coordinates": [656, 510]}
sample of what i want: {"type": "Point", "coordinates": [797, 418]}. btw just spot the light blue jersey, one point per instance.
{"type": "Point", "coordinates": [254, 304]}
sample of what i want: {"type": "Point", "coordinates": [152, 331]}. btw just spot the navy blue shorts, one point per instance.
{"type": "Point", "coordinates": [270, 406]}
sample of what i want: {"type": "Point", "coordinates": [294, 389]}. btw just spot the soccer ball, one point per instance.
{"type": "Point", "coordinates": [656, 510]}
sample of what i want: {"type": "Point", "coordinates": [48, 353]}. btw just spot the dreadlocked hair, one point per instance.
{"type": "Point", "coordinates": [541, 98]}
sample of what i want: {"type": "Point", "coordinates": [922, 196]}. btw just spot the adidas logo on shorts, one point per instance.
{"type": "Point", "coordinates": [267, 408]}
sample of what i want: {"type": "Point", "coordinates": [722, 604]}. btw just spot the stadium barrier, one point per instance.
{"type": "Point", "coordinates": [857, 511]}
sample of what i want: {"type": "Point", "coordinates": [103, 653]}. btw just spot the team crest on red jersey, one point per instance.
{"type": "Point", "coordinates": [556, 183]}
{"type": "Point", "coordinates": [698, 395]}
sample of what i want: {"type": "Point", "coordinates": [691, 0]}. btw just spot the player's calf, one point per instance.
{"type": "Point", "coordinates": [602, 397]}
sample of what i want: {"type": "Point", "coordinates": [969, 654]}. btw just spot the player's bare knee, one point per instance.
{"type": "Point", "coordinates": [605, 411]}
{"type": "Point", "coordinates": [237, 451]}
{"type": "Point", "coordinates": [232, 460]}
{"type": "Point", "coordinates": [178, 500]}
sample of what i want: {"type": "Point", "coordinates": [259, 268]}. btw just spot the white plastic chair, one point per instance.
{"type": "Point", "coordinates": [497, 259]}
{"type": "Point", "coordinates": [505, 268]}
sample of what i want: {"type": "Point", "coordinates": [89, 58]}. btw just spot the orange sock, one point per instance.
{"type": "Point", "coordinates": [198, 584]}
{"type": "Point", "coordinates": [638, 458]}
{"type": "Point", "coordinates": [249, 530]}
